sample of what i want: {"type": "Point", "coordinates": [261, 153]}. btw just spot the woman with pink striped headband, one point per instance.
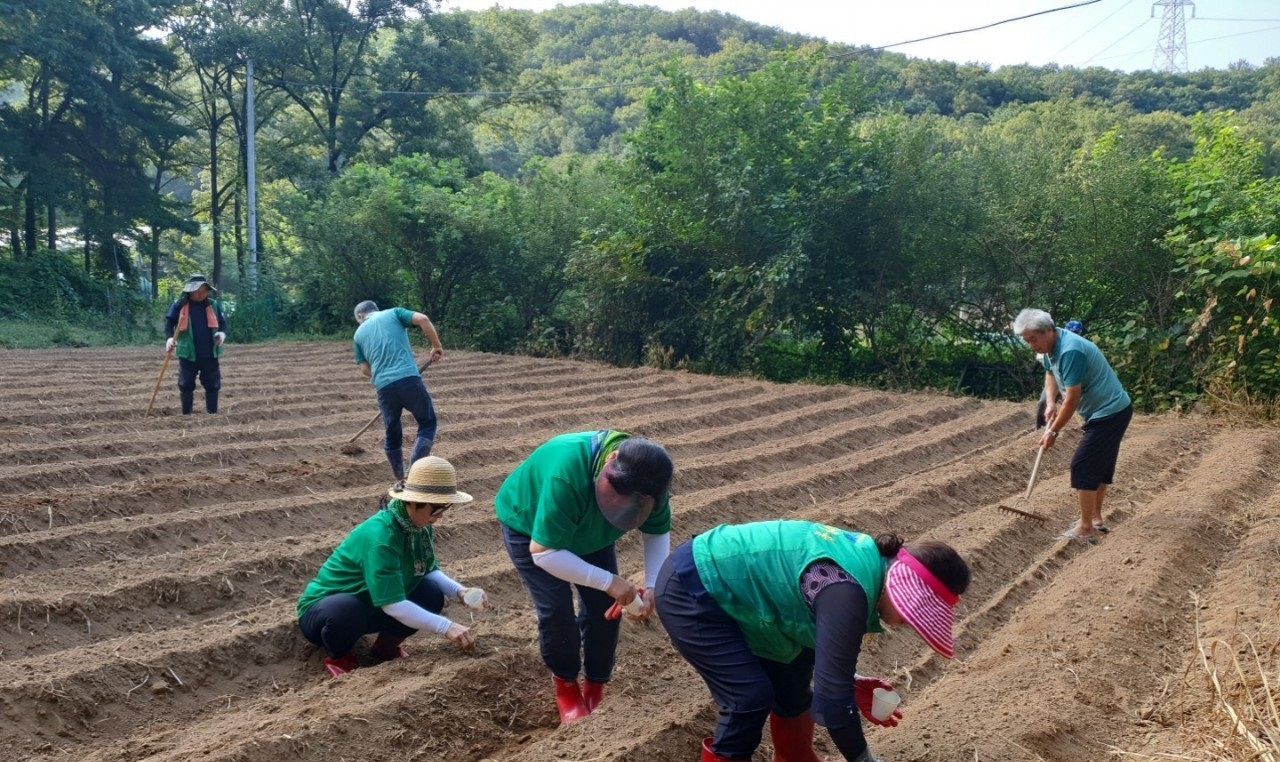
{"type": "Point", "coordinates": [765, 610]}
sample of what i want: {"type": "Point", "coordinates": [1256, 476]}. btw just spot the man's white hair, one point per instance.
{"type": "Point", "coordinates": [1033, 319]}
{"type": "Point", "coordinates": [365, 307]}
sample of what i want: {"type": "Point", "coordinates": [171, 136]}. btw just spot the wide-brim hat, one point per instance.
{"type": "Point", "coordinates": [195, 282]}
{"type": "Point", "coordinates": [924, 602]}
{"type": "Point", "coordinates": [430, 480]}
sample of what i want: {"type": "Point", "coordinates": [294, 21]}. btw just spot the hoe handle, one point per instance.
{"type": "Point", "coordinates": [160, 378]}
{"type": "Point", "coordinates": [1034, 469]}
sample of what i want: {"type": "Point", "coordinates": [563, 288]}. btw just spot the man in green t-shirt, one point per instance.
{"type": "Point", "coordinates": [561, 512]}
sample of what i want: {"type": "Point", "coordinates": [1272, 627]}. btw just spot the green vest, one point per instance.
{"type": "Point", "coordinates": [186, 346]}
{"type": "Point", "coordinates": [753, 571]}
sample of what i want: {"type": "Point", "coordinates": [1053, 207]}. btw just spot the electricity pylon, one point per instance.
{"type": "Point", "coordinates": [1171, 50]}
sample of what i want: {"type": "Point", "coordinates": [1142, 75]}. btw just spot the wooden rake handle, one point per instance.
{"type": "Point", "coordinates": [160, 378]}
{"type": "Point", "coordinates": [421, 369]}
{"type": "Point", "coordinates": [1034, 470]}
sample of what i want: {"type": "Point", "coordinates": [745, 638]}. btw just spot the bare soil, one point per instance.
{"type": "Point", "coordinates": [149, 568]}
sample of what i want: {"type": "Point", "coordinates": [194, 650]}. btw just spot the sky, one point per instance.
{"type": "Point", "coordinates": [1114, 34]}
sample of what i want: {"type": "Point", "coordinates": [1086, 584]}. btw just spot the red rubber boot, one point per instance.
{"type": "Point", "coordinates": [387, 648]}
{"type": "Point", "coordinates": [710, 756]}
{"type": "Point", "coordinates": [341, 665]}
{"type": "Point", "coordinates": [793, 738]}
{"type": "Point", "coordinates": [592, 694]}
{"type": "Point", "coordinates": [569, 701]}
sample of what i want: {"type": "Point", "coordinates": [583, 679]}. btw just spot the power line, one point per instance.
{"type": "Point", "coordinates": [1090, 29]}
{"type": "Point", "coordinates": [988, 26]}
{"type": "Point", "coordinates": [1190, 43]}
{"type": "Point", "coordinates": [1117, 42]}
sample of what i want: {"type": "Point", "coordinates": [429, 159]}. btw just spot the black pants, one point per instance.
{"type": "Point", "coordinates": [746, 687]}
{"type": "Point", "coordinates": [1094, 462]}
{"type": "Point", "coordinates": [336, 622]}
{"type": "Point", "coordinates": [210, 378]}
{"type": "Point", "coordinates": [586, 642]}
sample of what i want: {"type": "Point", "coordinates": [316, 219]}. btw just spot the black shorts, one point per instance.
{"type": "Point", "coordinates": [1094, 463]}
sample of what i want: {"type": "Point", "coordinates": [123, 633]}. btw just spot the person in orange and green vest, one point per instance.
{"type": "Point", "coordinates": [196, 329]}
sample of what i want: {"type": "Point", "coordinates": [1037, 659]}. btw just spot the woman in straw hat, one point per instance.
{"type": "Point", "coordinates": [385, 578]}
{"type": "Point", "coordinates": [561, 512]}
{"type": "Point", "coordinates": [762, 610]}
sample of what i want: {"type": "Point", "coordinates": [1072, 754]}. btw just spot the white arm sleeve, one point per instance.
{"type": "Point", "coordinates": [447, 585]}
{"type": "Point", "coordinates": [570, 567]}
{"type": "Point", "coordinates": [412, 615]}
{"type": "Point", "coordinates": [656, 549]}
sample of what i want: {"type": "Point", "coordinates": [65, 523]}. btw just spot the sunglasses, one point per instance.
{"type": "Point", "coordinates": [436, 508]}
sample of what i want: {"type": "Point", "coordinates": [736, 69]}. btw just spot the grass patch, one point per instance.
{"type": "Point", "coordinates": [49, 334]}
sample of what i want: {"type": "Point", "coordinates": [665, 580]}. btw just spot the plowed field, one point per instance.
{"type": "Point", "coordinates": [150, 567]}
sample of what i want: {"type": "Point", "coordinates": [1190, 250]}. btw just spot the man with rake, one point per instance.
{"type": "Point", "coordinates": [385, 356]}
{"type": "Point", "coordinates": [1077, 368]}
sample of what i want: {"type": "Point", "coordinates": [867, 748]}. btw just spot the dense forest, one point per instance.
{"type": "Point", "coordinates": [625, 184]}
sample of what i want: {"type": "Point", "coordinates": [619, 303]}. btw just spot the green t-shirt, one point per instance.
{"type": "Point", "coordinates": [753, 571]}
{"type": "Point", "coordinates": [374, 563]}
{"type": "Point", "coordinates": [382, 342]}
{"type": "Point", "coordinates": [551, 498]}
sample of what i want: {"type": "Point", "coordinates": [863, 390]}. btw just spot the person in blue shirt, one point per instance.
{"type": "Point", "coordinates": [1076, 327]}
{"type": "Point", "coordinates": [1077, 368]}
{"type": "Point", "coordinates": [385, 356]}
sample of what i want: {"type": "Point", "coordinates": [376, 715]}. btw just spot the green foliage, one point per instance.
{"type": "Point", "coordinates": [1226, 237]}
{"type": "Point", "coordinates": [61, 305]}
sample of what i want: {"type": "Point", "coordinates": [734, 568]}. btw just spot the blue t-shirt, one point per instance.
{"type": "Point", "coordinates": [382, 342]}
{"type": "Point", "coordinates": [1076, 361]}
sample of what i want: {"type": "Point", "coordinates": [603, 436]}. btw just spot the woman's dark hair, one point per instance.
{"type": "Point", "coordinates": [642, 466]}
{"type": "Point", "coordinates": [889, 545]}
{"type": "Point", "coordinates": [938, 557]}
{"type": "Point", "coordinates": [945, 563]}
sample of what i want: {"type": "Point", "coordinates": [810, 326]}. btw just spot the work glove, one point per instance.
{"type": "Point", "coordinates": [863, 688]}
{"type": "Point", "coordinates": [169, 344]}
{"type": "Point", "coordinates": [218, 338]}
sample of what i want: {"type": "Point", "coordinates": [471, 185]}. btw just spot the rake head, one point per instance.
{"type": "Point", "coordinates": [1021, 513]}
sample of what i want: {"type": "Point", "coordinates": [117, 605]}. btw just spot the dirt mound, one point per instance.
{"type": "Point", "coordinates": [150, 567]}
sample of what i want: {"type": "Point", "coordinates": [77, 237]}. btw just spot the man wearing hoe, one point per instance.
{"type": "Point", "coordinates": [195, 329]}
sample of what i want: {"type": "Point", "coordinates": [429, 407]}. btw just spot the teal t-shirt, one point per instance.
{"type": "Point", "coordinates": [382, 342]}
{"type": "Point", "coordinates": [753, 571]}
{"type": "Point", "coordinates": [375, 563]}
{"type": "Point", "coordinates": [1076, 361]}
{"type": "Point", "coordinates": [551, 498]}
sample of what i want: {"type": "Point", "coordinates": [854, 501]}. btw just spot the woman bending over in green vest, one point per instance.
{"type": "Point", "coordinates": [764, 610]}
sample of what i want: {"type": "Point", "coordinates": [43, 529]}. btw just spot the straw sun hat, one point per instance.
{"type": "Point", "coordinates": [430, 480]}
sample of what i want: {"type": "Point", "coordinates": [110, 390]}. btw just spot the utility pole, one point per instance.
{"type": "Point", "coordinates": [1171, 49]}
{"type": "Point", "coordinates": [251, 162]}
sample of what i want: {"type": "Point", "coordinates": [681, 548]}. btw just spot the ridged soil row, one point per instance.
{"type": "Point", "coordinates": [23, 511]}
{"type": "Point", "coordinates": [227, 525]}
{"type": "Point", "coordinates": [1125, 597]}
{"type": "Point", "coordinates": [55, 507]}
{"type": "Point", "coordinates": [1012, 559]}
{"type": "Point", "coordinates": [186, 482]}
{"type": "Point", "coordinates": [313, 420]}
{"type": "Point", "coordinates": [327, 414]}
{"type": "Point", "coordinates": [1238, 628]}
{"type": "Point", "coordinates": [261, 390]}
